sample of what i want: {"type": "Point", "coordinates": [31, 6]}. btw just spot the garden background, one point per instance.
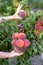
{"type": "Point", "coordinates": [34, 9]}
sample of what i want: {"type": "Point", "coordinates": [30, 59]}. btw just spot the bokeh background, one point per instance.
{"type": "Point", "coordinates": [34, 9]}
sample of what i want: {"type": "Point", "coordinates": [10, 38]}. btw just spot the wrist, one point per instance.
{"type": "Point", "coordinates": [9, 18]}
{"type": "Point", "coordinates": [6, 18]}
{"type": "Point", "coordinates": [8, 55]}
{"type": "Point", "coordinates": [14, 16]}
{"type": "Point", "coordinates": [11, 55]}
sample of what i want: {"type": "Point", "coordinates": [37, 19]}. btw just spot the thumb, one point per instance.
{"type": "Point", "coordinates": [20, 18]}
{"type": "Point", "coordinates": [19, 54]}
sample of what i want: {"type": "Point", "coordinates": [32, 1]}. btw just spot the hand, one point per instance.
{"type": "Point", "coordinates": [15, 53]}
{"type": "Point", "coordinates": [16, 16]}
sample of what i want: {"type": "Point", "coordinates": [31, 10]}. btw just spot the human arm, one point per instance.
{"type": "Point", "coordinates": [9, 54]}
{"type": "Point", "coordinates": [12, 17]}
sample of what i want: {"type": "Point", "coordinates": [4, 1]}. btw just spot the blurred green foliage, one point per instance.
{"type": "Point", "coordinates": [7, 29]}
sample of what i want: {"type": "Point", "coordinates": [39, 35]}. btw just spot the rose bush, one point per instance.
{"type": "Point", "coordinates": [27, 26]}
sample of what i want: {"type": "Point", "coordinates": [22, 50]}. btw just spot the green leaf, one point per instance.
{"type": "Point", "coordinates": [41, 35]}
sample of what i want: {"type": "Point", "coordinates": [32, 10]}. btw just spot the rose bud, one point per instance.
{"type": "Point", "coordinates": [13, 43]}
{"type": "Point", "coordinates": [26, 43]}
{"type": "Point", "coordinates": [40, 22]}
{"type": "Point", "coordinates": [22, 14]}
{"type": "Point", "coordinates": [37, 33]}
{"type": "Point", "coordinates": [15, 35]}
{"type": "Point", "coordinates": [37, 27]}
{"type": "Point", "coordinates": [22, 36]}
{"type": "Point", "coordinates": [19, 43]}
{"type": "Point", "coordinates": [41, 28]}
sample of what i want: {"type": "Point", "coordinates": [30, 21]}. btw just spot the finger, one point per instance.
{"type": "Point", "coordinates": [22, 11]}
{"type": "Point", "coordinates": [12, 51]}
{"type": "Point", "coordinates": [20, 54]}
{"type": "Point", "coordinates": [19, 11]}
{"type": "Point", "coordinates": [19, 7]}
{"type": "Point", "coordinates": [20, 18]}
